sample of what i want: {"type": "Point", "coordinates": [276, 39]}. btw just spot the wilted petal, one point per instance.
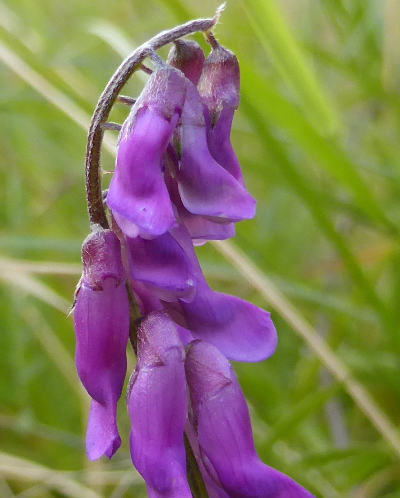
{"type": "Point", "coordinates": [188, 57]}
{"type": "Point", "coordinates": [137, 192]}
{"type": "Point", "coordinates": [157, 408]}
{"type": "Point", "coordinates": [101, 317]}
{"type": "Point", "coordinates": [205, 187]}
{"type": "Point", "coordinates": [163, 266]}
{"type": "Point", "coordinates": [222, 423]}
{"type": "Point", "coordinates": [241, 330]}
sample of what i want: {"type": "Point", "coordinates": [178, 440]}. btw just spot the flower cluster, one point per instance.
{"type": "Point", "coordinates": [177, 183]}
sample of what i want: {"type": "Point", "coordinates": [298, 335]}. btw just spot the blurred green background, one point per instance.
{"type": "Point", "coordinates": [317, 134]}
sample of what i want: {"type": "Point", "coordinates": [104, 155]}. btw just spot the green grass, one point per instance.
{"type": "Point", "coordinates": [317, 135]}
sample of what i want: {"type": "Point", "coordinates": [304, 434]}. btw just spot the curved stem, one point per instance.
{"type": "Point", "coordinates": [96, 209]}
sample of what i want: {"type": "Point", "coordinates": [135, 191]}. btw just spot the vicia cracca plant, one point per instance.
{"type": "Point", "coordinates": [177, 184]}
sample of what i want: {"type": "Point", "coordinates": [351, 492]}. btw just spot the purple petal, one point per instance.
{"type": "Point", "coordinates": [222, 422]}
{"type": "Point", "coordinates": [205, 187]}
{"type": "Point", "coordinates": [188, 57]}
{"type": "Point", "coordinates": [137, 191]}
{"type": "Point", "coordinates": [102, 328]}
{"type": "Point", "coordinates": [200, 228]}
{"type": "Point", "coordinates": [220, 145]}
{"type": "Point", "coordinates": [146, 300]}
{"type": "Point", "coordinates": [241, 330]}
{"type": "Point", "coordinates": [219, 88]}
{"type": "Point", "coordinates": [157, 408]}
{"type": "Point", "coordinates": [101, 316]}
{"type": "Point", "coordinates": [163, 266]}
{"type": "Point", "coordinates": [102, 437]}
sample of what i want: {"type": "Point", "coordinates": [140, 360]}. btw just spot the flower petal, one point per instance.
{"type": "Point", "coordinates": [219, 88]}
{"type": "Point", "coordinates": [137, 191]}
{"type": "Point", "coordinates": [163, 266]}
{"type": "Point", "coordinates": [200, 228]}
{"type": "Point", "coordinates": [241, 330]}
{"type": "Point", "coordinates": [222, 423]}
{"type": "Point", "coordinates": [102, 437]}
{"type": "Point", "coordinates": [157, 408]}
{"type": "Point", "coordinates": [219, 143]}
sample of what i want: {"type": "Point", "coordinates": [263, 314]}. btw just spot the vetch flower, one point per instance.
{"type": "Point", "coordinates": [205, 187]}
{"type": "Point", "coordinates": [138, 196]}
{"type": "Point", "coordinates": [102, 326]}
{"type": "Point", "coordinates": [221, 423]}
{"type": "Point", "coordinates": [157, 403]}
{"type": "Point", "coordinates": [219, 88]}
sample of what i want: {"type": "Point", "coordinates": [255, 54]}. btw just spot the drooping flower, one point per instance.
{"type": "Point", "coordinates": [157, 403]}
{"type": "Point", "coordinates": [138, 196]}
{"type": "Point", "coordinates": [221, 423]}
{"type": "Point", "coordinates": [219, 88]}
{"type": "Point", "coordinates": [205, 187]}
{"type": "Point", "coordinates": [188, 57]}
{"type": "Point", "coordinates": [102, 326]}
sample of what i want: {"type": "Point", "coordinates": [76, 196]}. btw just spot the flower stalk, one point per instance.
{"type": "Point", "coordinates": [94, 193]}
{"type": "Point", "coordinates": [177, 183]}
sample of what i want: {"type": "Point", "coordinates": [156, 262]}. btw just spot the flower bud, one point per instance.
{"type": "Point", "coordinates": [205, 187]}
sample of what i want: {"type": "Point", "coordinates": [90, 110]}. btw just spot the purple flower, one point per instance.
{"type": "Point", "coordinates": [205, 187]}
{"type": "Point", "coordinates": [221, 423]}
{"type": "Point", "coordinates": [102, 326]}
{"type": "Point", "coordinates": [138, 196]}
{"type": "Point", "coordinates": [188, 57]}
{"type": "Point", "coordinates": [241, 330]}
{"type": "Point", "coordinates": [219, 88]}
{"type": "Point", "coordinates": [157, 408]}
